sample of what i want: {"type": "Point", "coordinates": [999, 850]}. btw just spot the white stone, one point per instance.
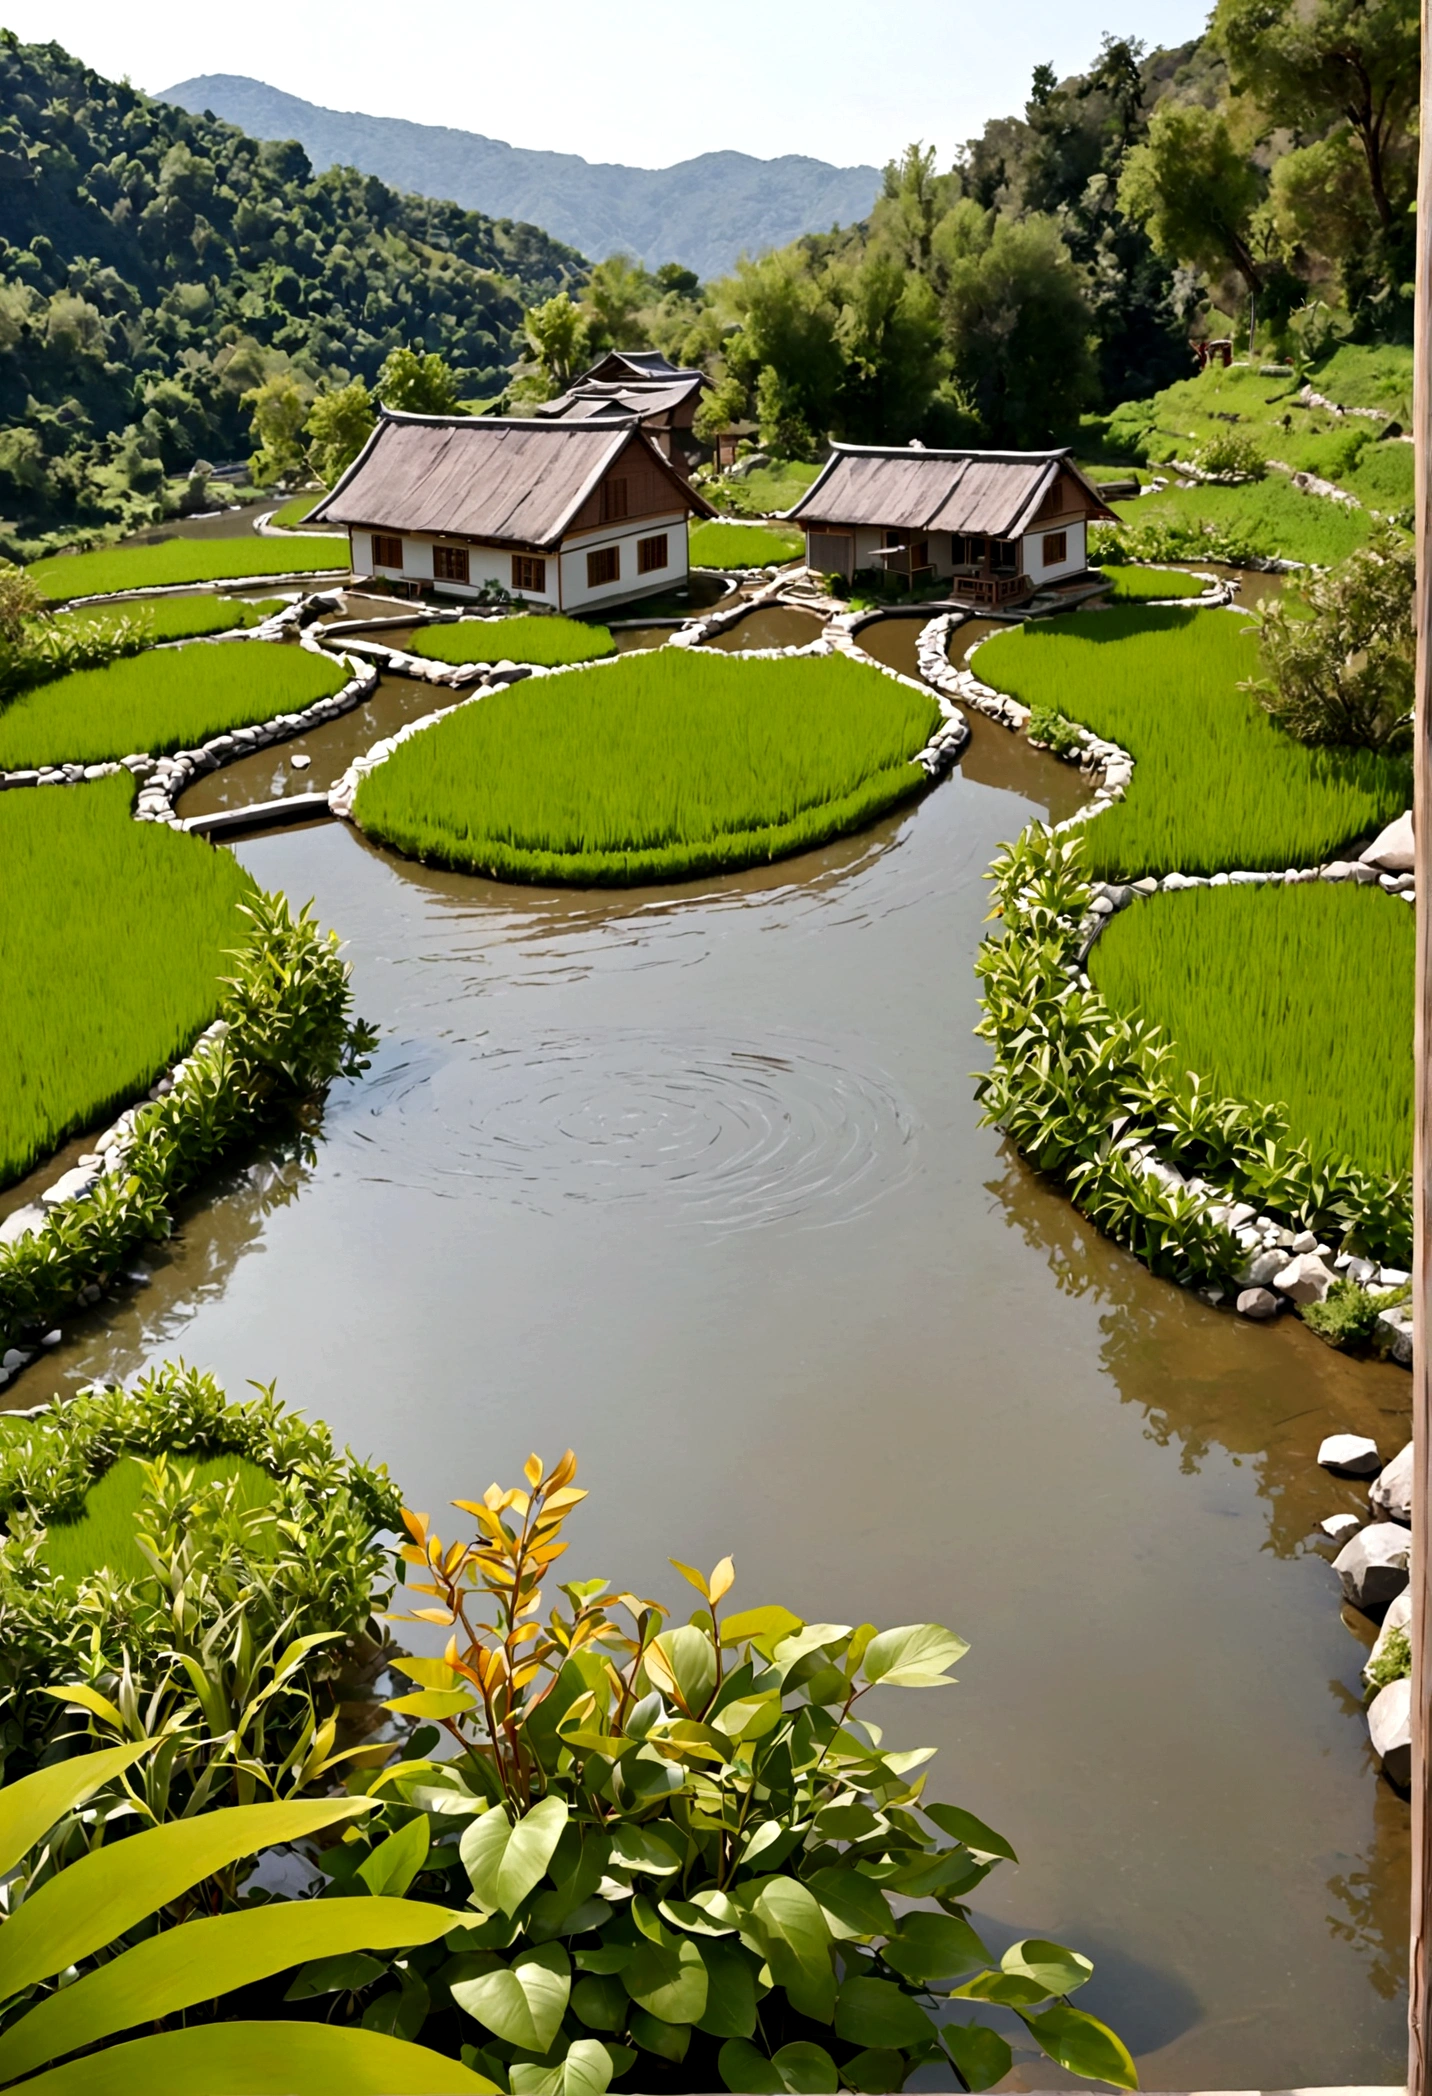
{"type": "Point", "coordinates": [1304, 1242]}
{"type": "Point", "coordinates": [1393, 851]}
{"type": "Point", "coordinates": [52, 1338]}
{"type": "Point", "coordinates": [1373, 1566]}
{"type": "Point", "coordinates": [1305, 1279]}
{"type": "Point", "coordinates": [1392, 1277]}
{"type": "Point", "coordinates": [13, 1358]}
{"type": "Point", "coordinates": [1391, 1495]}
{"type": "Point", "coordinates": [1350, 1455]}
{"type": "Point", "coordinates": [1394, 1329]}
{"type": "Point", "coordinates": [69, 1186]}
{"type": "Point", "coordinates": [1389, 1723]}
{"type": "Point", "coordinates": [1340, 1526]}
{"type": "Point", "coordinates": [22, 1222]}
{"type": "Point", "coordinates": [1257, 1303]}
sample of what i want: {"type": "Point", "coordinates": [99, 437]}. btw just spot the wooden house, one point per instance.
{"type": "Point", "coordinates": [577, 515]}
{"type": "Point", "coordinates": [995, 525]}
{"type": "Point", "coordinates": [665, 408]}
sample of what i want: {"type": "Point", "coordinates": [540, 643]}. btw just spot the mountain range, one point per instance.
{"type": "Point", "coordinates": [701, 213]}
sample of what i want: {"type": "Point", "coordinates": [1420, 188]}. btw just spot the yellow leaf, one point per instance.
{"type": "Point", "coordinates": [565, 1496]}
{"type": "Point", "coordinates": [692, 1576]}
{"type": "Point", "coordinates": [89, 1699]}
{"type": "Point", "coordinates": [533, 1470]}
{"type": "Point", "coordinates": [433, 1615]}
{"type": "Point", "coordinates": [722, 1580]}
{"type": "Point", "coordinates": [415, 1524]}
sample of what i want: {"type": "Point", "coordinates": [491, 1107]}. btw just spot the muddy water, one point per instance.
{"type": "Point", "coordinates": [691, 1179]}
{"type": "Point", "coordinates": [773, 626]}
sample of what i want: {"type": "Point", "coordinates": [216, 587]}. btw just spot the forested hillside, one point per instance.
{"type": "Point", "coordinates": [156, 267]}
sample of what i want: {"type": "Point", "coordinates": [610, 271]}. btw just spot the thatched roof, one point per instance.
{"type": "Point", "coordinates": [590, 398]}
{"type": "Point", "coordinates": [994, 493]}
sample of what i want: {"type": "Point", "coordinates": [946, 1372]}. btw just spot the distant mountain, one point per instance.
{"type": "Point", "coordinates": [701, 213]}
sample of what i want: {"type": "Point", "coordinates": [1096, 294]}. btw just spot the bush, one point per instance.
{"type": "Point", "coordinates": [681, 1842]}
{"type": "Point", "coordinates": [662, 766]}
{"type": "Point", "coordinates": [1341, 660]}
{"type": "Point", "coordinates": [1393, 1663]}
{"type": "Point", "coordinates": [1231, 451]}
{"type": "Point", "coordinates": [1348, 1314]}
{"type": "Point", "coordinates": [1048, 729]}
{"type": "Point", "coordinates": [175, 562]}
{"type": "Point", "coordinates": [549, 642]}
{"type": "Point", "coordinates": [162, 702]}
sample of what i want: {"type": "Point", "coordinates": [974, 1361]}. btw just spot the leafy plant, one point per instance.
{"type": "Point", "coordinates": [1393, 1663]}
{"type": "Point", "coordinates": [102, 1935]}
{"type": "Point", "coordinates": [1234, 452]}
{"type": "Point", "coordinates": [683, 1840]}
{"type": "Point", "coordinates": [1048, 729]}
{"type": "Point", "coordinates": [1340, 660]}
{"type": "Point", "coordinates": [1348, 1314]}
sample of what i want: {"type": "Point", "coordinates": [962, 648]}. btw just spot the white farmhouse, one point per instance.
{"type": "Point", "coordinates": [578, 515]}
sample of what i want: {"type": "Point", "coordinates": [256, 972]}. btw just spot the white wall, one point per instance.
{"type": "Point", "coordinates": [485, 564]}
{"type": "Point", "coordinates": [576, 596]}
{"type": "Point", "coordinates": [1032, 554]}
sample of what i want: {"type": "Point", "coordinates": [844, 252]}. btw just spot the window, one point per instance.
{"type": "Point", "coordinates": [1004, 557]}
{"type": "Point", "coordinates": [605, 565]}
{"type": "Point", "coordinates": [1056, 548]}
{"type": "Point", "coordinates": [528, 574]}
{"type": "Point", "coordinates": [651, 554]}
{"type": "Point", "coordinates": [387, 552]}
{"type": "Point", "coordinates": [449, 564]}
{"type": "Point", "coordinates": [614, 501]}
{"type": "Point", "coordinates": [966, 552]}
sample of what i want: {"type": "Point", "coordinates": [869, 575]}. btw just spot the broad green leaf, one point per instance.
{"type": "Point", "coordinates": [948, 1873]}
{"type": "Point", "coordinates": [806, 2069]}
{"type": "Point", "coordinates": [809, 1638]}
{"type": "Point", "coordinates": [981, 2055]}
{"type": "Point", "coordinates": [963, 1826]}
{"type": "Point", "coordinates": [730, 2010]}
{"type": "Point", "coordinates": [527, 2079]}
{"type": "Point", "coordinates": [876, 2072]}
{"type": "Point", "coordinates": [1006, 1987]}
{"type": "Point", "coordinates": [29, 1808]}
{"type": "Point", "coordinates": [264, 2059]}
{"type": "Point", "coordinates": [433, 1703]}
{"type": "Point", "coordinates": [529, 1851]}
{"type": "Point", "coordinates": [482, 1848]}
{"type": "Point", "coordinates": [96, 1899]}
{"type": "Point", "coordinates": [747, 2071]}
{"type": "Point", "coordinates": [200, 1959]}
{"type": "Point", "coordinates": [795, 1927]}
{"type": "Point", "coordinates": [718, 1906]}
{"type": "Point", "coordinates": [1083, 2045]}
{"type": "Point", "coordinates": [83, 1697]}
{"type": "Point", "coordinates": [876, 2013]}
{"type": "Point", "coordinates": [668, 2040]}
{"type": "Point", "coordinates": [522, 2003]}
{"type": "Point", "coordinates": [342, 1975]}
{"type": "Point", "coordinates": [669, 1981]}
{"type": "Point", "coordinates": [684, 1914]}
{"type": "Point", "coordinates": [917, 1655]}
{"type": "Point", "coordinates": [765, 1627]}
{"type": "Point", "coordinates": [852, 1906]}
{"type": "Point", "coordinates": [639, 1848]}
{"type": "Point", "coordinates": [395, 1862]}
{"type": "Point", "coordinates": [748, 1717]}
{"type": "Point", "coordinates": [600, 2001]}
{"type": "Point", "coordinates": [936, 1947]}
{"type": "Point", "coordinates": [847, 1822]}
{"type": "Point", "coordinates": [1048, 1966]}
{"type": "Point", "coordinates": [587, 2069]}
{"type": "Point", "coordinates": [690, 1659]}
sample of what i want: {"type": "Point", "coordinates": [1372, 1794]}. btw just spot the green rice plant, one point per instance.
{"type": "Point", "coordinates": [172, 618]}
{"type": "Point", "coordinates": [742, 545]}
{"type": "Point", "coordinates": [664, 766]}
{"type": "Point", "coordinates": [551, 643]}
{"type": "Point", "coordinates": [177, 561]}
{"type": "Point", "coordinates": [113, 936]}
{"type": "Point", "coordinates": [1216, 785]}
{"type": "Point", "coordinates": [767, 491]}
{"type": "Point", "coordinates": [291, 516]}
{"type": "Point", "coordinates": [102, 1536]}
{"type": "Point", "coordinates": [1135, 585]}
{"type": "Point", "coordinates": [160, 702]}
{"type": "Point", "coordinates": [1261, 520]}
{"type": "Point", "coordinates": [1299, 997]}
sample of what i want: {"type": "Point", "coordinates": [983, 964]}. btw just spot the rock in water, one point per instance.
{"type": "Point", "coordinates": [1257, 1303]}
{"type": "Point", "coordinates": [1373, 1566]}
{"type": "Point", "coordinates": [1351, 1455]}
{"type": "Point", "coordinates": [1389, 1720]}
{"type": "Point", "coordinates": [1305, 1279]}
{"type": "Point", "coordinates": [1340, 1526]}
{"type": "Point", "coordinates": [1393, 852]}
{"type": "Point", "coordinates": [1391, 1496]}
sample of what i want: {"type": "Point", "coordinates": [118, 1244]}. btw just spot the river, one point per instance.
{"type": "Point", "coordinates": [692, 1180]}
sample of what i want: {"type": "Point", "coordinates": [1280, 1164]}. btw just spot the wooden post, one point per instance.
{"type": "Point", "coordinates": [1419, 2006]}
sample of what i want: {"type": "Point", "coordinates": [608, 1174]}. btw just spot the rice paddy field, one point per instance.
{"type": "Point", "coordinates": [112, 941]}
{"type": "Point", "coordinates": [664, 766]}
{"type": "Point", "coordinates": [179, 561]}
{"type": "Point", "coordinates": [1216, 785]}
{"type": "Point", "coordinates": [1268, 517]}
{"type": "Point", "coordinates": [160, 702]}
{"type": "Point", "coordinates": [102, 1539]}
{"type": "Point", "coordinates": [177, 618]}
{"type": "Point", "coordinates": [1297, 996]}
{"type": "Point", "coordinates": [1137, 585]}
{"type": "Point", "coordinates": [548, 643]}
{"type": "Point", "coordinates": [715, 545]}
{"type": "Point", "coordinates": [291, 516]}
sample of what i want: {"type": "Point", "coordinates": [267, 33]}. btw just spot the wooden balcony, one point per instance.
{"type": "Point", "coordinates": [975, 586]}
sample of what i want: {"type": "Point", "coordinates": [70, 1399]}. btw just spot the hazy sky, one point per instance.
{"type": "Point", "coordinates": [847, 81]}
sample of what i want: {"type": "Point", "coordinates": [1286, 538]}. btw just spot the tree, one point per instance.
{"type": "Point", "coordinates": [557, 335]}
{"type": "Point", "coordinates": [417, 383]}
{"type": "Point", "coordinates": [278, 412]}
{"type": "Point", "coordinates": [724, 404]}
{"type": "Point", "coordinates": [616, 292]}
{"type": "Point", "coordinates": [339, 425]}
{"type": "Point", "coordinates": [787, 346]}
{"type": "Point", "coordinates": [1016, 323]}
{"type": "Point", "coordinates": [1194, 191]}
{"type": "Point", "coordinates": [889, 331]}
{"type": "Point", "coordinates": [1343, 674]}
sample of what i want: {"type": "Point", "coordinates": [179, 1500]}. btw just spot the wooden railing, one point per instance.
{"type": "Point", "coordinates": [989, 589]}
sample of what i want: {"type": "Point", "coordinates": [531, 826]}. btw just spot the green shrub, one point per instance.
{"type": "Point", "coordinates": [1048, 726]}
{"type": "Point", "coordinates": [160, 702]}
{"type": "Point", "coordinates": [1231, 451]}
{"type": "Point", "coordinates": [1393, 1663]}
{"type": "Point", "coordinates": [662, 766]}
{"type": "Point", "coordinates": [550, 642]}
{"type": "Point", "coordinates": [1347, 1315]}
{"type": "Point", "coordinates": [1216, 785]}
{"type": "Point", "coordinates": [175, 562]}
{"type": "Point", "coordinates": [1340, 656]}
{"type": "Point", "coordinates": [1133, 585]}
{"type": "Point", "coordinates": [113, 936]}
{"type": "Point", "coordinates": [1269, 519]}
{"type": "Point", "coordinates": [681, 1842]}
{"type": "Point", "coordinates": [742, 546]}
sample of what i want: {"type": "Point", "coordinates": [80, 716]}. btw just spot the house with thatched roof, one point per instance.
{"type": "Point", "coordinates": [995, 525]}
{"type": "Point", "coordinates": [577, 515]}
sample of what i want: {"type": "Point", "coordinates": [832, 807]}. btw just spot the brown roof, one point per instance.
{"type": "Point", "coordinates": [636, 363]}
{"type": "Point", "coordinates": [501, 482]}
{"type": "Point", "coordinates": [640, 397]}
{"type": "Point", "coordinates": [997, 493]}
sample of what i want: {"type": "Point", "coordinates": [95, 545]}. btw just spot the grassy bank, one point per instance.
{"type": "Point", "coordinates": [1264, 519]}
{"type": "Point", "coordinates": [742, 546]}
{"type": "Point", "coordinates": [1216, 785]}
{"type": "Point", "coordinates": [766, 492]}
{"type": "Point", "coordinates": [547, 642]}
{"type": "Point", "coordinates": [664, 766]}
{"type": "Point", "coordinates": [160, 702]}
{"type": "Point", "coordinates": [112, 939]}
{"type": "Point", "coordinates": [1253, 985]}
{"type": "Point", "coordinates": [180, 561]}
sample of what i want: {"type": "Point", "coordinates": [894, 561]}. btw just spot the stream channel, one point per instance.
{"type": "Point", "coordinates": [692, 1179]}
